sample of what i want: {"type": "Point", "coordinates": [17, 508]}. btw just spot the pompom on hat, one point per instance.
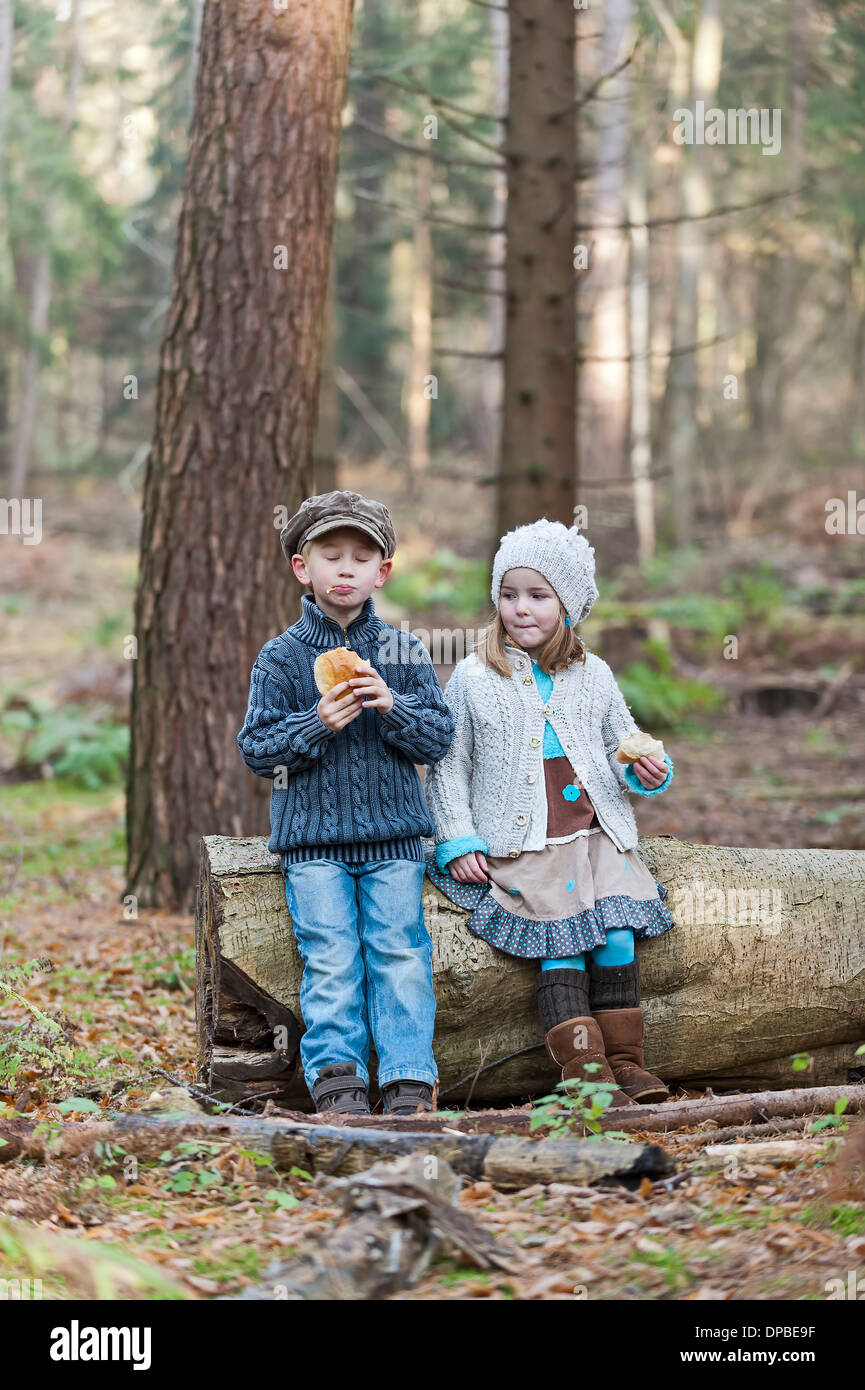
{"type": "Point", "coordinates": [558, 552]}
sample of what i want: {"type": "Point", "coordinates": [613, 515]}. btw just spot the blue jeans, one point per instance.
{"type": "Point", "coordinates": [367, 959]}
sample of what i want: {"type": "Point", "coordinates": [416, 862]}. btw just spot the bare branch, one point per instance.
{"type": "Point", "coordinates": [412, 215]}
{"type": "Point", "coordinates": [466, 287]}
{"type": "Point", "coordinates": [592, 92]}
{"type": "Point", "coordinates": [686, 217]}
{"type": "Point", "coordinates": [426, 153]}
{"type": "Point", "coordinates": [439, 106]}
{"type": "Point", "coordinates": [422, 91]}
{"type": "Point", "coordinates": [671, 352]}
{"type": "Point", "coordinates": [365, 408]}
{"type": "Point", "coordinates": [464, 352]}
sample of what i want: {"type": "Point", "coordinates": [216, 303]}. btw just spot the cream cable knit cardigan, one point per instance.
{"type": "Point", "coordinates": [490, 783]}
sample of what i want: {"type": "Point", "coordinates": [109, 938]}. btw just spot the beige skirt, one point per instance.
{"type": "Point", "coordinates": [563, 899]}
{"type": "Point", "coordinates": [560, 900]}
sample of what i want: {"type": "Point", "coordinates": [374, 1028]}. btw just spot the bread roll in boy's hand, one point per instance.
{"type": "Point", "coordinates": [340, 703]}
{"type": "Point", "coordinates": [339, 664]}
{"type": "Point", "coordinates": [639, 745]}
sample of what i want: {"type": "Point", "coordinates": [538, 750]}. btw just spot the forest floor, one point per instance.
{"type": "Point", "coordinates": [121, 990]}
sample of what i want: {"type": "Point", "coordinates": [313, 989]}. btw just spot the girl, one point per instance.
{"type": "Point", "coordinates": [533, 829]}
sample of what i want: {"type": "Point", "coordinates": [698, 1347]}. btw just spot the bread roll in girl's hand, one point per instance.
{"type": "Point", "coordinates": [339, 664]}
{"type": "Point", "coordinates": [639, 746]}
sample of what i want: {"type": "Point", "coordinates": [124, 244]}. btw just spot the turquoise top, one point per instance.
{"type": "Point", "coordinates": [544, 682]}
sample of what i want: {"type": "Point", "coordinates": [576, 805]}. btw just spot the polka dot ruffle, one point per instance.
{"type": "Point", "coordinates": [518, 936]}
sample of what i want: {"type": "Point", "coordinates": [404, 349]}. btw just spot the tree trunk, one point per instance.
{"type": "Point", "coordinates": [604, 383]}
{"type": "Point", "coordinates": [7, 273]}
{"type": "Point", "coordinates": [491, 368]}
{"type": "Point", "coordinates": [416, 401]}
{"type": "Point", "coordinates": [726, 1004]}
{"type": "Point", "coordinates": [41, 288]}
{"type": "Point", "coordinates": [538, 476]}
{"type": "Point", "coordinates": [691, 282]}
{"type": "Point", "coordinates": [639, 340]}
{"type": "Point", "coordinates": [366, 248]}
{"type": "Point", "coordinates": [237, 396]}
{"type": "Point", "coordinates": [326, 450]}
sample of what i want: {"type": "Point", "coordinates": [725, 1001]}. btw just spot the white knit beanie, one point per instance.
{"type": "Point", "coordinates": [560, 554]}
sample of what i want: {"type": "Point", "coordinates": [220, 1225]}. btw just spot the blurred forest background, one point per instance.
{"type": "Point", "coordinates": [719, 342]}
{"type": "Point", "coordinates": [692, 378]}
{"type": "Point", "coordinates": [728, 412]}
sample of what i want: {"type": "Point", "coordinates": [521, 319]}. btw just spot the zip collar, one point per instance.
{"type": "Point", "coordinates": [317, 630]}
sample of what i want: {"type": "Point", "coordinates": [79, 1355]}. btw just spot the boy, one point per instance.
{"type": "Point", "coordinates": [347, 809]}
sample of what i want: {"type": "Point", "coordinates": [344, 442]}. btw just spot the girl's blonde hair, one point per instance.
{"type": "Point", "coordinates": [558, 652]}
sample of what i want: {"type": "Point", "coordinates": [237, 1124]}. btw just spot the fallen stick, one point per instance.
{"type": "Point", "coordinates": [739, 1131]}
{"type": "Point", "coordinates": [833, 690]}
{"type": "Point", "coordinates": [760, 1106]}
{"type": "Point", "coordinates": [784, 1151]}
{"type": "Point", "coordinates": [669, 1115]}
{"type": "Point", "coordinates": [510, 1162]}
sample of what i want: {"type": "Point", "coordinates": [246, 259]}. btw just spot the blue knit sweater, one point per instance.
{"type": "Point", "coordinates": [352, 794]}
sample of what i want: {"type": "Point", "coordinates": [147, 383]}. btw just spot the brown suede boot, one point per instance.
{"type": "Point", "coordinates": [622, 1033]}
{"type": "Point", "coordinates": [574, 1043]}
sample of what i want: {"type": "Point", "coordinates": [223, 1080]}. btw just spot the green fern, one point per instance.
{"type": "Point", "coordinates": [659, 699]}
{"type": "Point", "coordinates": [84, 746]}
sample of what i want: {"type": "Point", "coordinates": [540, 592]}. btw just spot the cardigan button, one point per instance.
{"type": "Point", "coordinates": [528, 680]}
{"type": "Point", "coordinates": [513, 853]}
{"type": "Point", "coordinates": [534, 742]}
{"type": "Point", "coordinates": [519, 665]}
{"type": "Point", "coordinates": [520, 820]}
{"type": "Point", "coordinates": [531, 777]}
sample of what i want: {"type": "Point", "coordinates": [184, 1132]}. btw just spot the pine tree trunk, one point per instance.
{"type": "Point", "coordinates": [416, 402]}
{"type": "Point", "coordinates": [639, 342]}
{"type": "Point", "coordinates": [7, 274]}
{"type": "Point", "coordinates": [494, 279]}
{"type": "Point", "coordinates": [604, 379]}
{"type": "Point", "coordinates": [235, 420]}
{"type": "Point", "coordinates": [691, 254]}
{"type": "Point", "coordinates": [41, 286]}
{"type": "Point", "coordinates": [539, 473]}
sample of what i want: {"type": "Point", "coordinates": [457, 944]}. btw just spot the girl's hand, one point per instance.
{"type": "Point", "coordinates": [469, 868]}
{"type": "Point", "coordinates": [651, 771]}
{"type": "Point", "coordinates": [375, 688]}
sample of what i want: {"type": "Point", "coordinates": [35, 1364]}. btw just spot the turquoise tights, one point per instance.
{"type": "Point", "coordinates": [618, 949]}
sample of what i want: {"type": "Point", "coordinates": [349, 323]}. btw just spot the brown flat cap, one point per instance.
{"type": "Point", "coordinates": [330, 510]}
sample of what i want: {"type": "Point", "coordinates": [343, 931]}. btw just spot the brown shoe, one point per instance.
{"type": "Point", "coordinates": [564, 1046]}
{"type": "Point", "coordinates": [622, 1033]}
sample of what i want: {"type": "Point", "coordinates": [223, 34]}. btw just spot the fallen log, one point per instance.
{"type": "Point", "coordinates": [797, 1106]}
{"type": "Point", "coordinates": [508, 1162]}
{"type": "Point", "coordinates": [766, 960]}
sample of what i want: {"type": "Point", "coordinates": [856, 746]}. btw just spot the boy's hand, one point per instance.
{"type": "Point", "coordinates": [373, 691]}
{"type": "Point", "coordinates": [338, 707]}
{"type": "Point", "coordinates": [469, 868]}
{"type": "Point", "coordinates": [650, 771]}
